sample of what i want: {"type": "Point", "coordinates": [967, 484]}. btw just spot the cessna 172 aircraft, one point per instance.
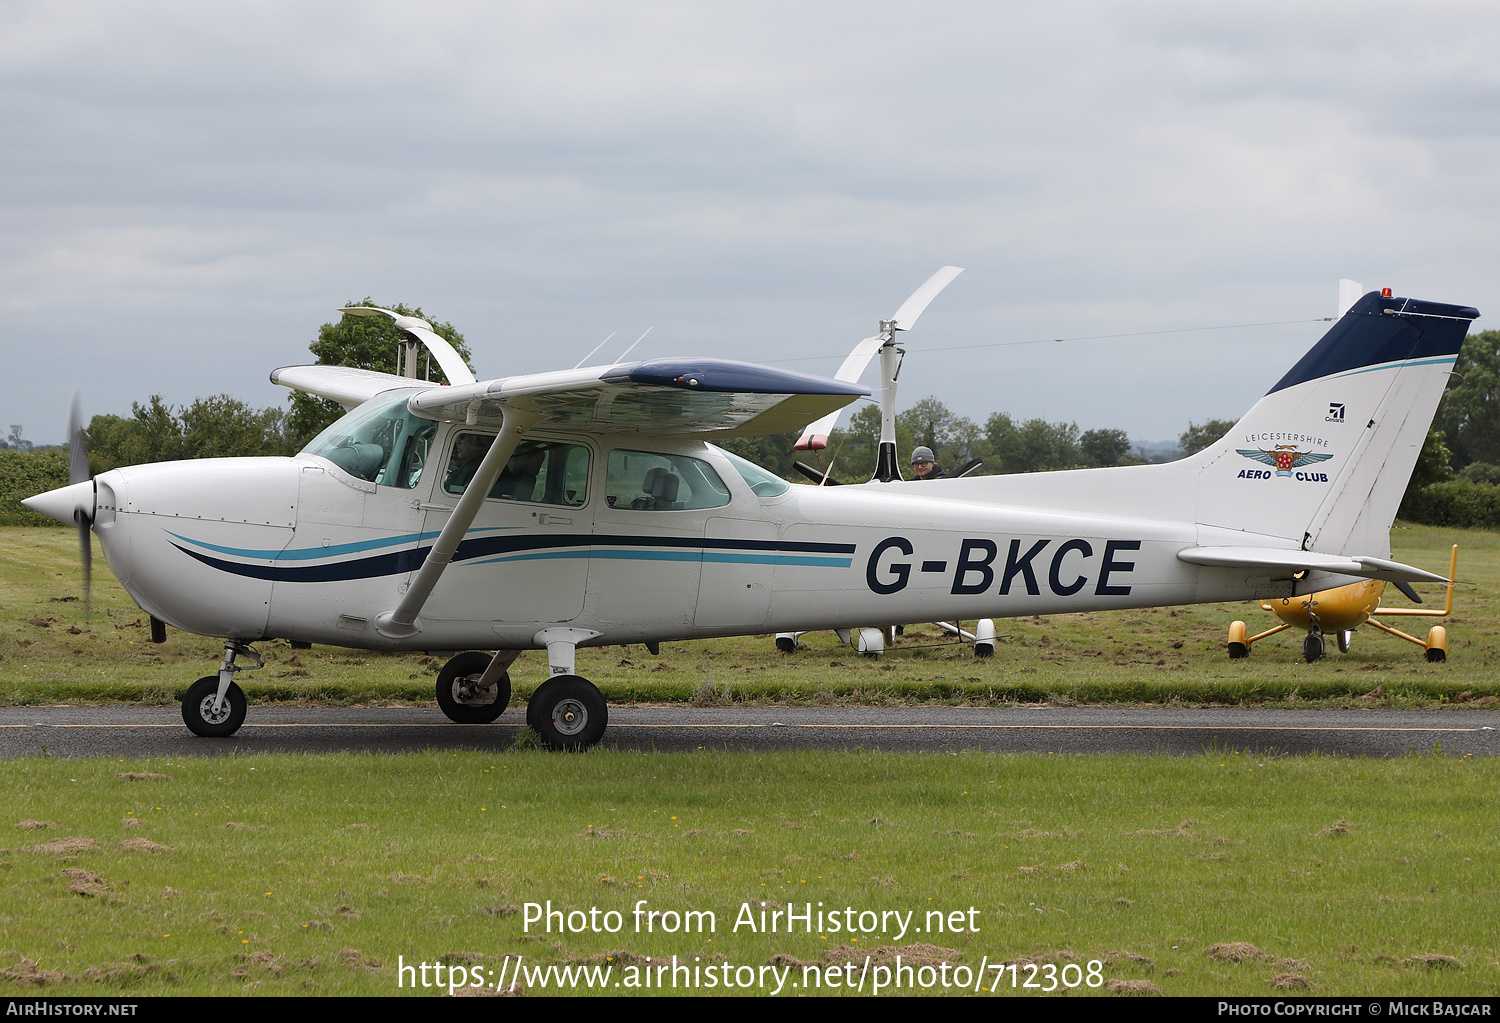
{"type": "Point", "coordinates": [587, 506]}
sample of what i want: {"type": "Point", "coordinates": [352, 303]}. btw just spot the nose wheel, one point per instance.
{"type": "Point", "coordinates": [206, 715]}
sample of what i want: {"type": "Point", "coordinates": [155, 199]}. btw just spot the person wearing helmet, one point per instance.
{"type": "Point", "coordinates": [925, 465]}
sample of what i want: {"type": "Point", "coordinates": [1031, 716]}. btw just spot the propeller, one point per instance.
{"type": "Point", "coordinates": [83, 510]}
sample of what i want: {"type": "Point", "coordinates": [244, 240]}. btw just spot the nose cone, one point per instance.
{"type": "Point", "coordinates": [64, 502]}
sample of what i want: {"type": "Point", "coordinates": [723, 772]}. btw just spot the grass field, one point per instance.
{"type": "Point", "coordinates": [1217, 874]}
{"type": "Point", "coordinates": [50, 653]}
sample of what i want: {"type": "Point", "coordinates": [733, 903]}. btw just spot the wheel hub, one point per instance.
{"type": "Point", "coordinates": [570, 717]}
{"type": "Point", "coordinates": [465, 692]}
{"type": "Point", "coordinates": [214, 717]}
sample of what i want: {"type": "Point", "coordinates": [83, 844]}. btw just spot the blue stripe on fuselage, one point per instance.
{"type": "Point", "coordinates": [514, 547]}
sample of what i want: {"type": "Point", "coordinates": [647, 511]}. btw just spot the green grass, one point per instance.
{"type": "Point", "coordinates": [284, 874]}
{"type": "Point", "coordinates": [292, 875]}
{"type": "Point", "coordinates": [50, 653]}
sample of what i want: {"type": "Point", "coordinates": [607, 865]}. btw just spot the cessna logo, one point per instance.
{"type": "Point", "coordinates": [1284, 458]}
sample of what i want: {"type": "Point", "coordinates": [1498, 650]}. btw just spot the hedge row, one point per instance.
{"type": "Point", "coordinates": [1457, 503]}
{"type": "Point", "coordinates": [23, 475]}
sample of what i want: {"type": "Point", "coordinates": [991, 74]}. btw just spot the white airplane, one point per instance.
{"type": "Point", "coordinates": [557, 510]}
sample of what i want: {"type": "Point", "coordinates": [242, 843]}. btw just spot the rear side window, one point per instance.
{"type": "Point", "coordinates": [652, 481]}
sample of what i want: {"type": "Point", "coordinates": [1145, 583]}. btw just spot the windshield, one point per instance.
{"type": "Point", "coordinates": [380, 442]}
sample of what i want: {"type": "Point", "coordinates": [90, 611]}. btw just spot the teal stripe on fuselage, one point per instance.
{"type": "Point", "coordinates": [331, 551]}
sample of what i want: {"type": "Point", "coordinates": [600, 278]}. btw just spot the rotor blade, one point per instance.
{"type": "Point", "coordinates": [906, 316]}
{"type": "Point", "coordinates": [815, 436]}
{"type": "Point", "coordinates": [817, 476]}
{"type": "Point", "coordinates": [442, 352]}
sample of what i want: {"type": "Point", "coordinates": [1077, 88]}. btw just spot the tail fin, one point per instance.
{"type": "Point", "coordinates": [1324, 458]}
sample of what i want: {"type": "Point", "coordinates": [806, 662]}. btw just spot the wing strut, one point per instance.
{"type": "Point", "coordinates": [401, 623]}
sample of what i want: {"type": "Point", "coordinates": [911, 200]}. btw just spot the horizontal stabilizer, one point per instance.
{"type": "Point", "coordinates": [1289, 561]}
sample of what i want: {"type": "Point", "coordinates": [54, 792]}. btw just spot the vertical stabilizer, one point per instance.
{"type": "Point", "coordinates": [1323, 459]}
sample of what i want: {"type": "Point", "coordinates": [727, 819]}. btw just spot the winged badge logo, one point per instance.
{"type": "Point", "coordinates": [1284, 457]}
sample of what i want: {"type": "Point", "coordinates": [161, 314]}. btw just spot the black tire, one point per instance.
{"type": "Point", "coordinates": [1238, 651]}
{"type": "Point", "coordinates": [197, 713]}
{"type": "Point", "coordinates": [452, 683]}
{"type": "Point", "coordinates": [568, 712]}
{"type": "Point", "coordinates": [1436, 655]}
{"type": "Point", "coordinates": [786, 644]}
{"type": "Point", "coordinates": [984, 650]}
{"type": "Point", "coordinates": [1312, 648]}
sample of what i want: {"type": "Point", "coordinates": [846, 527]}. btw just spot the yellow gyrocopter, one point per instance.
{"type": "Point", "coordinates": [1341, 611]}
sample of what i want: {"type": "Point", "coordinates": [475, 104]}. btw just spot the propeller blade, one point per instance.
{"type": "Point", "coordinates": [78, 456]}
{"type": "Point", "coordinates": [83, 513]}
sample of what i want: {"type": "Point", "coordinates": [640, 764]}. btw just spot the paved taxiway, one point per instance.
{"type": "Point", "coordinates": [133, 732]}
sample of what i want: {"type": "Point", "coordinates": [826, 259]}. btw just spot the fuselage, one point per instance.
{"type": "Point", "coordinates": [308, 549]}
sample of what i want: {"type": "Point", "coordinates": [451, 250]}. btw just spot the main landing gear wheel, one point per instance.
{"type": "Point", "coordinates": [568, 713]}
{"type": "Point", "coordinates": [1312, 647]}
{"type": "Point", "coordinates": [459, 697]}
{"type": "Point", "coordinates": [198, 709]}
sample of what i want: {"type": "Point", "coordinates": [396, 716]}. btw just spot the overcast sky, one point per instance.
{"type": "Point", "coordinates": [188, 190]}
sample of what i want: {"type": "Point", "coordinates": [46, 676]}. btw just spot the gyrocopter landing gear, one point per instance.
{"type": "Point", "coordinates": [214, 706]}
{"type": "Point", "coordinates": [474, 688]}
{"type": "Point", "coordinates": [567, 711]}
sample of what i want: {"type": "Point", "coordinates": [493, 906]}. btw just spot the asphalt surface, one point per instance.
{"type": "Point", "coordinates": [134, 732]}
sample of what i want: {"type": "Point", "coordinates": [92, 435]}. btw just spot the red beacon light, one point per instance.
{"type": "Point", "coordinates": [1385, 292]}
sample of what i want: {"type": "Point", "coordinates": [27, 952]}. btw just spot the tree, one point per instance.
{"type": "Point", "coordinates": [927, 421]}
{"type": "Point", "coordinates": [1105, 447]}
{"type": "Point", "coordinates": [213, 427]}
{"type": "Point", "coordinates": [1432, 463]}
{"type": "Point", "coordinates": [772, 451]}
{"type": "Point", "coordinates": [1469, 415]}
{"type": "Point", "coordinates": [1201, 435]}
{"type": "Point", "coordinates": [1034, 446]}
{"type": "Point", "coordinates": [15, 442]}
{"type": "Point", "coordinates": [364, 342]}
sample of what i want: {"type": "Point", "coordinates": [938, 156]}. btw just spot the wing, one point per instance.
{"type": "Point", "coordinates": [1309, 459]}
{"type": "Point", "coordinates": [344, 384]}
{"type": "Point", "coordinates": [1258, 455]}
{"type": "Point", "coordinates": [659, 397]}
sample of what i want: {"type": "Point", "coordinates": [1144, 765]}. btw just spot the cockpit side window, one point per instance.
{"type": "Point", "coordinates": [539, 472]}
{"type": "Point", "coordinates": [652, 481]}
